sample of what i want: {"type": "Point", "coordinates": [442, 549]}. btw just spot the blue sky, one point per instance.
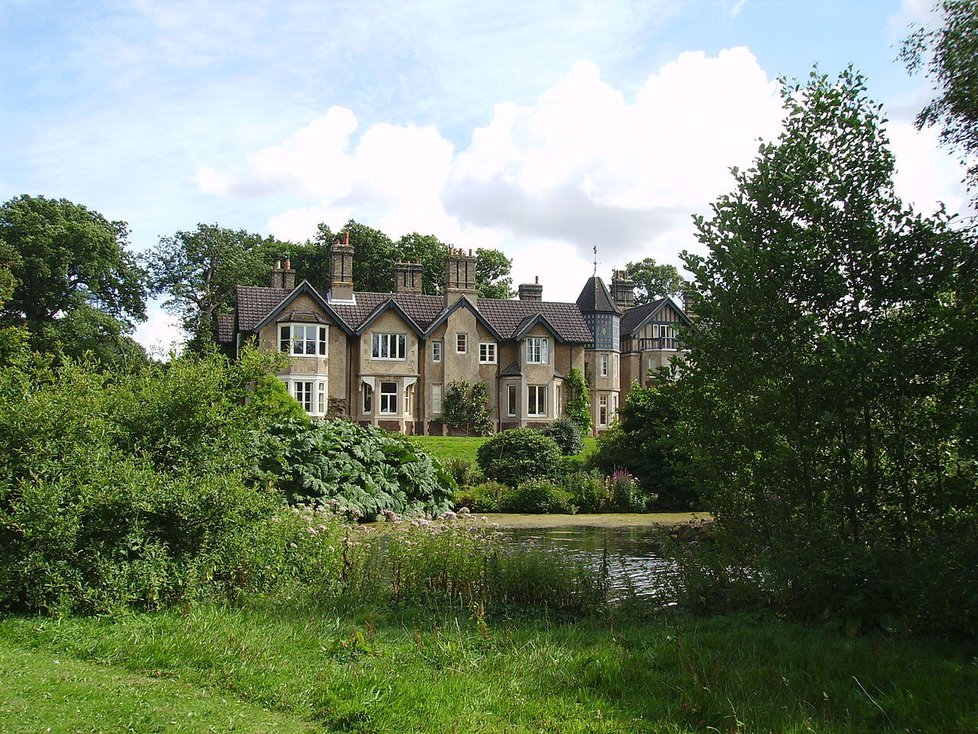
{"type": "Point", "coordinates": [541, 128]}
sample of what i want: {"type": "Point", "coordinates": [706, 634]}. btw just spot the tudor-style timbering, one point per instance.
{"type": "Point", "coordinates": [388, 359]}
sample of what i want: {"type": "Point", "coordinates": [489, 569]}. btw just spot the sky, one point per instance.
{"type": "Point", "coordinates": [541, 128]}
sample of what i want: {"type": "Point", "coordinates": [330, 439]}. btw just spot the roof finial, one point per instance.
{"type": "Point", "coordinates": [595, 260]}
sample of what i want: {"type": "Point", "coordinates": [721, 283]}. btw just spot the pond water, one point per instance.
{"type": "Point", "coordinates": [635, 567]}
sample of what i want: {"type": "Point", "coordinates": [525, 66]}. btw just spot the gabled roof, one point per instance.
{"type": "Point", "coordinates": [503, 318]}
{"type": "Point", "coordinates": [302, 289]}
{"type": "Point", "coordinates": [390, 305]}
{"type": "Point", "coordinates": [533, 320]}
{"type": "Point", "coordinates": [638, 316]}
{"type": "Point", "coordinates": [596, 298]}
{"type": "Point", "coordinates": [514, 370]}
{"type": "Point", "coordinates": [564, 318]}
{"type": "Point", "coordinates": [463, 303]}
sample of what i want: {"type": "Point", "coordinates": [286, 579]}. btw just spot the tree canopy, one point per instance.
{"type": "Point", "coordinates": [949, 56]}
{"type": "Point", "coordinates": [62, 255]}
{"type": "Point", "coordinates": [828, 389]}
{"type": "Point", "coordinates": [197, 273]}
{"type": "Point", "coordinates": [654, 281]}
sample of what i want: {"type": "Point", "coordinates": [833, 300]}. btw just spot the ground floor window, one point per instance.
{"type": "Point", "coordinates": [310, 394]}
{"type": "Point", "coordinates": [368, 398]}
{"type": "Point", "coordinates": [536, 401]}
{"type": "Point", "coordinates": [388, 398]}
{"type": "Point", "coordinates": [512, 401]}
{"type": "Point", "coordinates": [603, 410]}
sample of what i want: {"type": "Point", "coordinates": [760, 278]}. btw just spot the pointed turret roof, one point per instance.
{"type": "Point", "coordinates": [596, 298]}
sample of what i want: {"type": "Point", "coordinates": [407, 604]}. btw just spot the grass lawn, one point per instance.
{"type": "Point", "coordinates": [465, 447]}
{"type": "Point", "coordinates": [292, 668]}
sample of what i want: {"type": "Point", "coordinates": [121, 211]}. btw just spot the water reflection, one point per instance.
{"type": "Point", "coordinates": [635, 567]}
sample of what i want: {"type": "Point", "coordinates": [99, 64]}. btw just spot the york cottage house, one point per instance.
{"type": "Point", "coordinates": [387, 358]}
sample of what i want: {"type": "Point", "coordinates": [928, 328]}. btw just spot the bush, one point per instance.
{"type": "Point", "coordinates": [539, 496]}
{"type": "Point", "coordinates": [567, 435]}
{"type": "Point", "coordinates": [593, 492]}
{"type": "Point", "coordinates": [463, 472]}
{"type": "Point", "coordinates": [356, 470]}
{"type": "Point", "coordinates": [485, 497]}
{"type": "Point", "coordinates": [516, 455]}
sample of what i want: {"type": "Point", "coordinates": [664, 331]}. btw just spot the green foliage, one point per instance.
{"type": "Point", "coordinates": [492, 269]}
{"type": "Point", "coordinates": [483, 497]}
{"type": "Point", "coordinates": [567, 434]}
{"type": "Point", "coordinates": [654, 281]}
{"type": "Point", "coordinates": [950, 54]}
{"type": "Point", "coordinates": [87, 331]}
{"type": "Point", "coordinates": [578, 406]}
{"type": "Point", "coordinates": [466, 407]}
{"type": "Point", "coordinates": [359, 471]}
{"type": "Point", "coordinates": [198, 272]}
{"type": "Point", "coordinates": [462, 471]}
{"type": "Point", "coordinates": [646, 443]}
{"type": "Point", "coordinates": [516, 455]}
{"type": "Point", "coordinates": [592, 491]}
{"type": "Point", "coordinates": [824, 400]}
{"type": "Point", "coordinates": [129, 492]}
{"type": "Point", "coordinates": [540, 496]}
{"type": "Point", "coordinates": [57, 258]}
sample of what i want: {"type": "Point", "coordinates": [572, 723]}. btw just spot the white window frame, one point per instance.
{"type": "Point", "coordinates": [461, 343]}
{"type": "Point", "coordinates": [435, 399]}
{"type": "Point", "coordinates": [603, 410]}
{"type": "Point", "coordinates": [437, 347]}
{"type": "Point", "coordinates": [536, 401]}
{"type": "Point", "coordinates": [388, 400]}
{"type": "Point", "coordinates": [487, 352]}
{"type": "Point", "coordinates": [316, 402]}
{"type": "Point", "coordinates": [388, 347]}
{"type": "Point", "coordinates": [512, 400]}
{"type": "Point", "coordinates": [537, 350]}
{"type": "Point", "coordinates": [603, 365]}
{"type": "Point", "coordinates": [298, 344]}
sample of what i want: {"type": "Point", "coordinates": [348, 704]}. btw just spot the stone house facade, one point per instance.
{"type": "Point", "coordinates": [386, 359]}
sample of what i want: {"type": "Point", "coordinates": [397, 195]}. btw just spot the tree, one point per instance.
{"type": "Point", "coordinates": [198, 272]}
{"type": "Point", "coordinates": [950, 56]}
{"type": "Point", "coordinates": [466, 408]}
{"type": "Point", "coordinates": [59, 256]}
{"type": "Point", "coordinates": [654, 281]}
{"type": "Point", "coordinates": [823, 396]}
{"type": "Point", "coordinates": [492, 269]}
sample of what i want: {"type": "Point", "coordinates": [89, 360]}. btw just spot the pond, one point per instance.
{"type": "Point", "coordinates": [628, 544]}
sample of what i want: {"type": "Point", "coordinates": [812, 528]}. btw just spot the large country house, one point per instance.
{"type": "Point", "coordinates": [387, 358]}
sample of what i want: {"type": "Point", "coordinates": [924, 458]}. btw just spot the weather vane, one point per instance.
{"type": "Point", "coordinates": [595, 260]}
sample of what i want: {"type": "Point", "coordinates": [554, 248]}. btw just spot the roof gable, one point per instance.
{"type": "Point", "coordinates": [390, 305]}
{"type": "Point", "coordinates": [638, 316]}
{"type": "Point", "coordinates": [304, 288]}
{"type": "Point", "coordinates": [463, 303]}
{"type": "Point", "coordinates": [596, 298]}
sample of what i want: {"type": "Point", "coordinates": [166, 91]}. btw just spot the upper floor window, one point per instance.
{"type": "Point", "coordinates": [303, 339]}
{"type": "Point", "coordinates": [537, 350]}
{"type": "Point", "coordinates": [436, 348]}
{"type": "Point", "coordinates": [462, 343]}
{"type": "Point", "coordinates": [603, 367]}
{"type": "Point", "coordinates": [487, 353]}
{"type": "Point", "coordinates": [389, 346]}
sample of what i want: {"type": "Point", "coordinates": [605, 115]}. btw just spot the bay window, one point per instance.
{"type": "Point", "coordinates": [302, 340]}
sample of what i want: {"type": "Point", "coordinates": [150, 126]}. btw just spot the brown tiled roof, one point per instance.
{"type": "Point", "coordinates": [225, 328]}
{"type": "Point", "coordinates": [506, 317]}
{"type": "Point", "coordinates": [634, 316]}
{"type": "Point", "coordinates": [595, 297]}
{"type": "Point", "coordinates": [255, 302]}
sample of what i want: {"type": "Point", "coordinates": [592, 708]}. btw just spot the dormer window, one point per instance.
{"type": "Point", "coordinates": [303, 340]}
{"type": "Point", "coordinates": [537, 350]}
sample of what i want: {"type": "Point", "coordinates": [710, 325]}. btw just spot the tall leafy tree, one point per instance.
{"type": "Point", "coordinates": [63, 255]}
{"type": "Point", "coordinates": [197, 273]}
{"type": "Point", "coordinates": [492, 269]}
{"type": "Point", "coordinates": [654, 281]}
{"type": "Point", "coordinates": [949, 56]}
{"type": "Point", "coordinates": [823, 396]}
{"type": "Point", "coordinates": [431, 253]}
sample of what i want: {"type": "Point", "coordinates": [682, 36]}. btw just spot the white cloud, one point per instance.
{"type": "Point", "coordinates": [736, 8]}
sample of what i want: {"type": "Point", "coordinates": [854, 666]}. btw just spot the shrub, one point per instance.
{"type": "Point", "coordinates": [463, 471]}
{"type": "Point", "coordinates": [539, 496]}
{"type": "Point", "coordinates": [567, 435]}
{"type": "Point", "coordinates": [466, 408]}
{"type": "Point", "coordinates": [516, 455]}
{"type": "Point", "coordinates": [485, 497]}
{"type": "Point", "coordinates": [357, 470]}
{"type": "Point", "coordinates": [578, 407]}
{"type": "Point", "coordinates": [589, 491]}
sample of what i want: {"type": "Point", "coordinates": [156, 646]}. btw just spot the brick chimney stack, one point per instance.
{"type": "Point", "coordinates": [460, 276]}
{"type": "Point", "coordinates": [277, 275]}
{"type": "Point", "coordinates": [288, 275]}
{"type": "Point", "coordinates": [341, 267]}
{"type": "Point", "coordinates": [622, 289]}
{"type": "Point", "coordinates": [407, 277]}
{"type": "Point", "coordinates": [531, 291]}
